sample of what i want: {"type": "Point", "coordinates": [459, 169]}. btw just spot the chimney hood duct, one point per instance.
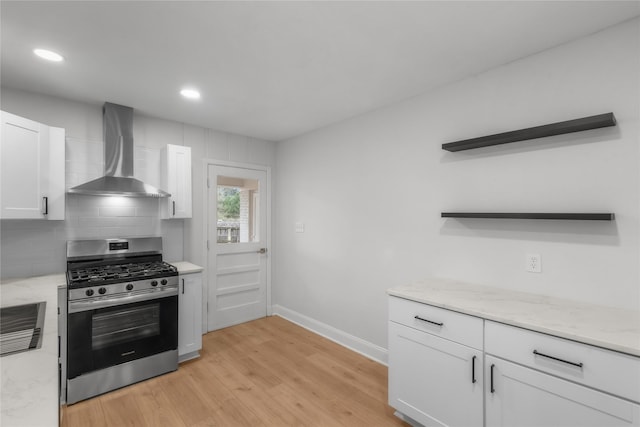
{"type": "Point", "coordinates": [118, 177]}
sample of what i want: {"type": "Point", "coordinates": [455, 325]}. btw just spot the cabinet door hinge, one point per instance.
{"type": "Point", "coordinates": [208, 185]}
{"type": "Point", "coordinates": [207, 245]}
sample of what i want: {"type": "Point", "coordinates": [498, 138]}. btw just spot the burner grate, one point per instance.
{"type": "Point", "coordinates": [119, 272]}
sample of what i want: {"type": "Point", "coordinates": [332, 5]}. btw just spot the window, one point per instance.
{"type": "Point", "coordinates": [237, 213]}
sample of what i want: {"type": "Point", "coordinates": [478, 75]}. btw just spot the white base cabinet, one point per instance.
{"type": "Point", "coordinates": [431, 379]}
{"type": "Point", "coordinates": [520, 396]}
{"type": "Point", "coordinates": [522, 377]}
{"type": "Point", "coordinates": [32, 157]}
{"type": "Point", "coordinates": [435, 364]}
{"type": "Point", "coordinates": [190, 316]}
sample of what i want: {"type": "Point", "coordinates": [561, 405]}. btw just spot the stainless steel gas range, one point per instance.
{"type": "Point", "coordinates": [122, 314]}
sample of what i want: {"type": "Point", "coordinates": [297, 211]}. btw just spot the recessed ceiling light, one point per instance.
{"type": "Point", "coordinates": [190, 93]}
{"type": "Point", "coordinates": [48, 55]}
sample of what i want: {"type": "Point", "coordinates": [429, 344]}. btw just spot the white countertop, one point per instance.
{"type": "Point", "coordinates": [611, 328]}
{"type": "Point", "coordinates": [185, 267]}
{"type": "Point", "coordinates": [29, 394]}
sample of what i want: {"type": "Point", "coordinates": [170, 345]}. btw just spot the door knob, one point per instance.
{"type": "Point", "coordinates": [262, 251]}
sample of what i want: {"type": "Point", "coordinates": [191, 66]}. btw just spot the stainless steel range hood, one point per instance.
{"type": "Point", "coordinates": [118, 177]}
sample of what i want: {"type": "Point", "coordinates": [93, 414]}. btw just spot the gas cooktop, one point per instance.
{"type": "Point", "coordinates": [106, 274]}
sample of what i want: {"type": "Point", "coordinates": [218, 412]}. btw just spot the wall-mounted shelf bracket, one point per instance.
{"type": "Point", "coordinates": [559, 128]}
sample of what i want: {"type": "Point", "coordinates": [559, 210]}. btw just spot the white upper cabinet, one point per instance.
{"type": "Point", "coordinates": [32, 169]}
{"type": "Point", "coordinates": [176, 179]}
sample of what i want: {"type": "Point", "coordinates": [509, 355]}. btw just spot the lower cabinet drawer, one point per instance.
{"type": "Point", "coordinates": [606, 370]}
{"type": "Point", "coordinates": [447, 324]}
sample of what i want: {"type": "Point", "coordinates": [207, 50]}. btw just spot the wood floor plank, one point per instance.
{"type": "Point", "coordinates": [156, 408]}
{"type": "Point", "coordinates": [82, 414]}
{"type": "Point", "coordinates": [189, 404]}
{"type": "Point", "coordinates": [268, 372]}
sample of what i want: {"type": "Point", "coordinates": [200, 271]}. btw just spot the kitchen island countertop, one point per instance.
{"type": "Point", "coordinates": [30, 379]}
{"type": "Point", "coordinates": [607, 327]}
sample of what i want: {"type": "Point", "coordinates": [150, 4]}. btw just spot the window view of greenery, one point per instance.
{"type": "Point", "coordinates": [237, 213]}
{"type": "Point", "coordinates": [228, 203]}
{"type": "Point", "coordinates": [228, 214]}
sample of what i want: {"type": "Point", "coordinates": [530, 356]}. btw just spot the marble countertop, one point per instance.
{"type": "Point", "coordinates": [185, 267]}
{"type": "Point", "coordinates": [29, 394]}
{"type": "Point", "coordinates": [610, 328]}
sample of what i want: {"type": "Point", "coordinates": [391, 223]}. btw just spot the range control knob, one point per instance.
{"type": "Point", "coordinates": [102, 291]}
{"type": "Point", "coordinates": [163, 281]}
{"type": "Point", "coordinates": [129, 286]}
{"type": "Point", "coordinates": [154, 283]}
{"type": "Point", "coordinates": [89, 292]}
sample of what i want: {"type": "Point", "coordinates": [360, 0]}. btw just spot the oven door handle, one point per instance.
{"type": "Point", "coordinates": [94, 304]}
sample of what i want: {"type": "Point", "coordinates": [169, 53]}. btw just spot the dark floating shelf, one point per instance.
{"type": "Point", "coordinates": [536, 215]}
{"type": "Point", "coordinates": [559, 128]}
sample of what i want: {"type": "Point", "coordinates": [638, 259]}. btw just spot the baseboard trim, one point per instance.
{"type": "Point", "coordinates": [365, 348]}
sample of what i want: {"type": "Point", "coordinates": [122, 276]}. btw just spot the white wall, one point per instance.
{"type": "Point", "coordinates": [38, 247]}
{"type": "Point", "coordinates": [370, 190]}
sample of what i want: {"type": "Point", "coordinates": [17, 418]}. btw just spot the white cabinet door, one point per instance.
{"type": "Point", "coordinates": [519, 396]}
{"type": "Point", "coordinates": [190, 316]}
{"type": "Point", "coordinates": [25, 167]}
{"type": "Point", "coordinates": [32, 169]}
{"type": "Point", "coordinates": [434, 381]}
{"type": "Point", "coordinates": [176, 179]}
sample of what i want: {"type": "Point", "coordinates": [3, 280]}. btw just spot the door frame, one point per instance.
{"type": "Point", "coordinates": [207, 246]}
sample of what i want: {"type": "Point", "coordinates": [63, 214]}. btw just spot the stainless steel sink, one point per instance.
{"type": "Point", "coordinates": [21, 327]}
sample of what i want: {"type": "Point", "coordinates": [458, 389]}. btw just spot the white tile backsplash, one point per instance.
{"type": "Point", "coordinates": [111, 211]}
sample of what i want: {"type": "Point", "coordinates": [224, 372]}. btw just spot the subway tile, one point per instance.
{"type": "Point", "coordinates": [98, 222]}
{"type": "Point", "coordinates": [148, 208]}
{"type": "Point", "coordinates": [117, 211]}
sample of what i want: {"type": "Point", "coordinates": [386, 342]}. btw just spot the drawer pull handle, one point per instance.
{"type": "Point", "coordinates": [492, 388]}
{"type": "Point", "coordinates": [428, 321]}
{"type": "Point", "coordinates": [579, 365]}
{"type": "Point", "coordinates": [473, 370]}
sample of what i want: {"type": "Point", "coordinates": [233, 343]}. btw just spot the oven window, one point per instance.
{"type": "Point", "coordinates": [124, 325]}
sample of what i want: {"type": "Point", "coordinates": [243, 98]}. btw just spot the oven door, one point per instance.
{"type": "Point", "coordinates": [119, 332]}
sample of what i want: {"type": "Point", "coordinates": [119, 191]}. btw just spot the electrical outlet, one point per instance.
{"type": "Point", "coordinates": [534, 263]}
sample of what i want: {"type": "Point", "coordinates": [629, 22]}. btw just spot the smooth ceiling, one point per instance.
{"type": "Point", "coordinates": [274, 70]}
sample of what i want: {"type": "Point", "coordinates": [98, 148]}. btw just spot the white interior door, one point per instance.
{"type": "Point", "coordinates": [238, 245]}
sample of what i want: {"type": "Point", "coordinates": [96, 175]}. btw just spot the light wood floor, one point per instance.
{"type": "Point", "coordinates": [269, 372]}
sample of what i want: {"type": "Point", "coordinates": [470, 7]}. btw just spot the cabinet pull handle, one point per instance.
{"type": "Point", "coordinates": [174, 208]}
{"type": "Point", "coordinates": [45, 205]}
{"type": "Point", "coordinates": [492, 388]}
{"type": "Point", "coordinates": [428, 321]}
{"type": "Point", "coordinates": [182, 286]}
{"type": "Point", "coordinates": [473, 370]}
{"type": "Point", "coordinates": [579, 365]}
